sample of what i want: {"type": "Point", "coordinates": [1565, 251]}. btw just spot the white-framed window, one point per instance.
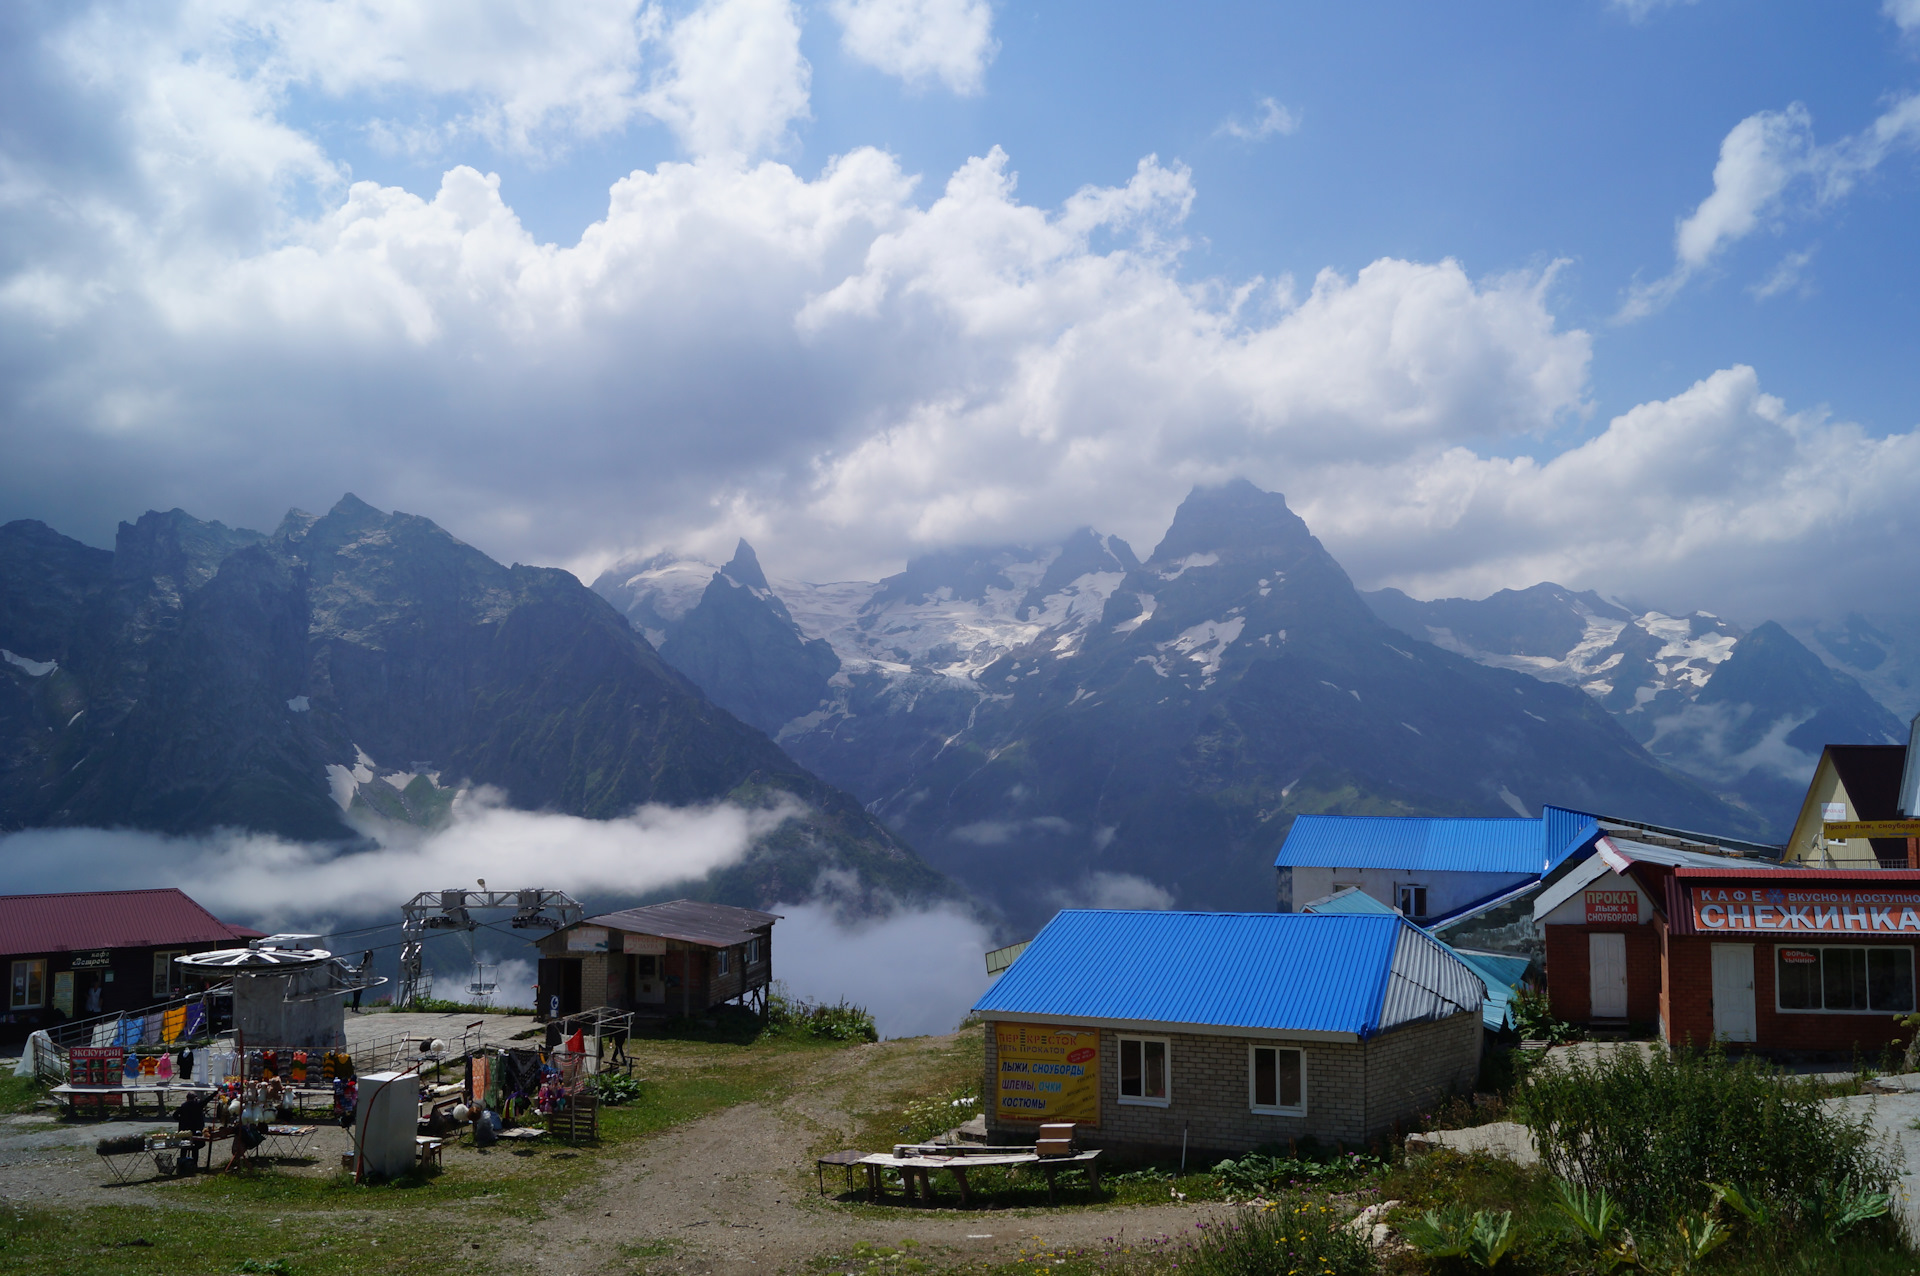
{"type": "Point", "coordinates": [28, 991]}
{"type": "Point", "coordinates": [165, 979]}
{"type": "Point", "coordinates": [1146, 1071]}
{"type": "Point", "coordinates": [726, 960]}
{"type": "Point", "coordinates": [1277, 1080]}
{"type": "Point", "coordinates": [1835, 979]}
{"type": "Point", "coordinates": [1413, 899]}
{"type": "Point", "coordinates": [753, 951]}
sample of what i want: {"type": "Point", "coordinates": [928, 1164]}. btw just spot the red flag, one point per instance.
{"type": "Point", "coordinates": [577, 1043]}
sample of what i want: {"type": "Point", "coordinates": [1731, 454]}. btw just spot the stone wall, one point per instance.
{"type": "Point", "coordinates": [1355, 1091]}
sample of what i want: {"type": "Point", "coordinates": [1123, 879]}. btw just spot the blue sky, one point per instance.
{"type": "Point", "coordinates": [1516, 371]}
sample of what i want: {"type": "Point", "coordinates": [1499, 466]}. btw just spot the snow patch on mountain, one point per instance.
{"type": "Point", "coordinates": [1206, 643]}
{"type": "Point", "coordinates": [32, 668]}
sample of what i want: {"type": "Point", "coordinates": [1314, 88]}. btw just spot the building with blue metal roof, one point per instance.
{"type": "Point", "coordinates": [1225, 1031]}
{"type": "Point", "coordinates": [1501, 973]}
{"type": "Point", "coordinates": [1436, 870]}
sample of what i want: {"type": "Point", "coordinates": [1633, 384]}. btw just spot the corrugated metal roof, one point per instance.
{"type": "Point", "coordinates": [1274, 972]}
{"type": "Point", "coordinates": [1350, 900]}
{"type": "Point", "coordinates": [84, 920]}
{"type": "Point", "coordinates": [1564, 832]}
{"type": "Point", "coordinates": [1415, 842]}
{"type": "Point", "coordinates": [1620, 852]}
{"type": "Point", "coordinates": [691, 922]}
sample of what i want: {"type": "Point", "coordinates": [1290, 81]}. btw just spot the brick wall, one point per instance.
{"type": "Point", "coordinates": [1355, 1091]}
{"type": "Point", "coordinates": [1569, 972]}
{"type": "Point", "coordinates": [1690, 998]}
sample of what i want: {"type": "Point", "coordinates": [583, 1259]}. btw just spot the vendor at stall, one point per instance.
{"type": "Point", "coordinates": [191, 1118]}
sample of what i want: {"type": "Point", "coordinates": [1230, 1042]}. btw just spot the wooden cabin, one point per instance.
{"type": "Point", "coordinates": [681, 958]}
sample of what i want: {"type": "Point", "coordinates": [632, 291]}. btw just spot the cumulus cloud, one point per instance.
{"type": "Point", "coordinates": [820, 957]}
{"type": "Point", "coordinates": [847, 365]}
{"type": "Point", "coordinates": [1273, 118]}
{"type": "Point", "coordinates": [920, 40]}
{"type": "Point", "coordinates": [1905, 14]}
{"type": "Point", "coordinates": [275, 884]}
{"type": "Point", "coordinates": [1766, 160]}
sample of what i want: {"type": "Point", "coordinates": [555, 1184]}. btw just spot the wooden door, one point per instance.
{"type": "Point", "coordinates": [1607, 976]}
{"type": "Point", "coordinates": [1733, 1016]}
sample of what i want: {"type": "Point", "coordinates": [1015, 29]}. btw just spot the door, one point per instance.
{"type": "Point", "coordinates": [1607, 976]}
{"type": "Point", "coordinates": [1733, 1018]}
{"type": "Point", "coordinates": [644, 978]}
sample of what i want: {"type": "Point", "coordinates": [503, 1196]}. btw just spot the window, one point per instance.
{"type": "Point", "coordinates": [1834, 980]}
{"type": "Point", "coordinates": [753, 952]}
{"type": "Point", "coordinates": [726, 960]}
{"type": "Point", "coordinates": [29, 988]}
{"type": "Point", "coordinates": [1143, 1071]}
{"type": "Point", "coordinates": [165, 977]}
{"type": "Point", "coordinates": [1277, 1080]}
{"type": "Point", "coordinates": [1413, 900]}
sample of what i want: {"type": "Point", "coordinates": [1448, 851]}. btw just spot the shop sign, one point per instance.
{"type": "Point", "coordinates": [587, 939]}
{"type": "Point", "coordinates": [1820, 911]}
{"type": "Point", "coordinates": [94, 960]}
{"type": "Point", "coordinates": [1846, 830]}
{"type": "Point", "coordinates": [643, 945]}
{"type": "Point", "coordinates": [1799, 956]}
{"type": "Point", "coordinates": [1613, 907]}
{"type": "Point", "coordinates": [1047, 1073]}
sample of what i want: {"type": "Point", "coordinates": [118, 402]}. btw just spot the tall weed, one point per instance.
{"type": "Point", "coordinates": [1655, 1132]}
{"type": "Point", "coordinates": [1291, 1234]}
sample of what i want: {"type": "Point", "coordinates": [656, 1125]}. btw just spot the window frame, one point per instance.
{"type": "Point", "coordinates": [1913, 986]}
{"type": "Point", "coordinates": [754, 952]}
{"type": "Point", "coordinates": [13, 974]}
{"type": "Point", "coordinates": [1400, 892]}
{"type": "Point", "coordinates": [1253, 1104]}
{"type": "Point", "coordinates": [1144, 1100]}
{"type": "Point", "coordinates": [725, 963]}
{"type": "Point", "coordinates": [163, 973]}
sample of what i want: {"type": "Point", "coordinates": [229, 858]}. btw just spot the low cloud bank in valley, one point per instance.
{"type": "Point", "coordinates": [917, 971]}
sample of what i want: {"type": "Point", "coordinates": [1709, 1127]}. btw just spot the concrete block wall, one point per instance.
{"type": "Point", "coordinates": [1355, 1091]}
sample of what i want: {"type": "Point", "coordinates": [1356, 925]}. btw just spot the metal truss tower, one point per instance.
{"type": "Point", "coordinates": [453, 910]}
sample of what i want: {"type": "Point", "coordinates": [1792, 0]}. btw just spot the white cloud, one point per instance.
{"type": "Point", "coordinates": [920, 40]}
{"type": "Point", "coordinates": [1641, 10]}
{"type": "Point", "coordinates": [1788, 276]}
{"type": "Point", "coordinates": [821, 958]}
{"type": "Point", "coordinates": [737, 82]}
{"type": "Point", "coordinates": [262, 879]}
{"type": "Point", "coordinates": [1904, 14]}
{"type": "Point", "coordinates": [1765, 159]}
{"type": "Point", "coordinates": [838, 364]}
{"type": "Point", "coordinates": [1273, 118]}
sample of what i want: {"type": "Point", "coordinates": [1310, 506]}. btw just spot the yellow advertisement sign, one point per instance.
{"type": "Point", "coordinates": [1047, 1073]}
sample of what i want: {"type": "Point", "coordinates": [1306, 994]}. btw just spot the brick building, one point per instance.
{"type": "Point", "coordinates": [1780, 959]}
{"type": "Point", "coordinates": [681, 958]}
{"type": "Point", "coordinates": [1221, 1032]}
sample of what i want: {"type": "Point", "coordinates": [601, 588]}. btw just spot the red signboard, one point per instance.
{"type": "Point", "coordinates": [1612, 906]}
{"type": "Point", "coordinates": [1808, 909]}
{"type": "Point", "coordinates": [95, 1066]}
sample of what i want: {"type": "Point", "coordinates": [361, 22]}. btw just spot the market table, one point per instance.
{"type": "Point", "coordinates": [288, 1142]}
{"type": "Point", "coordinates": [70, 1094]}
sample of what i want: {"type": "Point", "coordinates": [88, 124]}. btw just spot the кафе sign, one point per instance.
{"type": "Point", "coordinates": [1805, 910]}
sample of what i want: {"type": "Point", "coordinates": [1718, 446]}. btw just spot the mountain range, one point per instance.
{"type": "Point", "coordinates": [1069, 723]}
{"type": "Point", "coordinates": [363, 666]}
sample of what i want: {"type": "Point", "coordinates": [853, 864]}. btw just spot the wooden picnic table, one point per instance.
{"type": "Point", "coordinates": [920, 1163]}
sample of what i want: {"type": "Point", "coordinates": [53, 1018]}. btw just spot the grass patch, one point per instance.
{"type": "Point", "coordinates": [135, 1241]}
{"type": "Point", "coordinates": [19, 1094]}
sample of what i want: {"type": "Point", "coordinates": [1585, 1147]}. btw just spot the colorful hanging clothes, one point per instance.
{"type": "Point", "coordinates": [298, 1073]}
{"type": "Point", "coordinates": [150, 1030]}
{"type": "Point", "coordinates": [103, 1032]}
{"type": "Point", "coordinates": [173, 1024]}
{"type": "Point", "coordinates": [130, 1068]}
{"type": "Point", "coordinates": [196, 1020]}
{"type": "Point", "coordinates": [128, 1031]}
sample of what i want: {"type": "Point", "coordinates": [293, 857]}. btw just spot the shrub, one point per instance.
{"type": "Point", "coordinates": [1655, 1132]}
{"type": "Point", "coordinates": [1289, 1234]}
{"type": "Point", "coordinates": [614, 1088]}
{"type": "Point", "coordinates": [1534, 1020]}
{"type": "Point", "coordinates": [842, 1021]}
{"type": "Point", "coordinates": [928, 1118]}
{"type": "Point", "coordinates": [1265, 1173]}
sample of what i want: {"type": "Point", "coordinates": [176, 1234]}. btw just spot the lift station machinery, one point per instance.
{"type": "Point", "coordinates": [454, 909]}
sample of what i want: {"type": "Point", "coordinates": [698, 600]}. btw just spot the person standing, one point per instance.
{"type": "Point", "coordinates": [363, 976]}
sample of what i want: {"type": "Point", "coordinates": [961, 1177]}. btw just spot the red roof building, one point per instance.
{"type": "Point", "coordinates": [83, 954]}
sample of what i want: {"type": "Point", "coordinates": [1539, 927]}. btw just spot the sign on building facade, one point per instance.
{"type": "Point", "coordinates": [1808, 910]}
{"type": "Point", "coordinates": [1047, 1073]}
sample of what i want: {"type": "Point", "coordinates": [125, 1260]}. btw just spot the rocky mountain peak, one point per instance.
{"type": "Point", "coordinates": [744, 568]}
{"type": "Point", "coordinates": [1233, 516]}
